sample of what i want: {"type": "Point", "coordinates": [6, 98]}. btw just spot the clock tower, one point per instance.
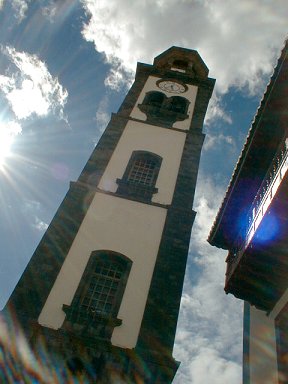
{"type": "Point", "coordinates": [103, 288]}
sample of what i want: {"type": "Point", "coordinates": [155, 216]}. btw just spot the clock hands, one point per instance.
{"type": "Point", "coordinates": [171, 86]}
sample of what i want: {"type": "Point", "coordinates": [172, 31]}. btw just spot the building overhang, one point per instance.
{"type": "Point", "coordinates": [267, 132]}
{"type": "Point", "coordinates": [257, 266]}
{"type": "Point", "coordinates": [256, 203]}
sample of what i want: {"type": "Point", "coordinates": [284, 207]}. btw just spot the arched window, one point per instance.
{"type": "Point", "coordinates": [177, 104]}
{"type": "Point", "coordinates": [154, 98]}
{"type": "Point", "coordinates": [181, 65]}
{"type": "Point", "coordinates": [161, 109]}
{"type": "Point", "coordinates": [140, 176]}
{"type": "Point", "coordinates": [99, 295]}
{"type": "Point", "coordinates": [143, 169]}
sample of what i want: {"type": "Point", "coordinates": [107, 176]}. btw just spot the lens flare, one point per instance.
{"type": "Point", "coordinates": [268, 229]}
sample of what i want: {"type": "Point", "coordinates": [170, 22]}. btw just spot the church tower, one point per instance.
{"type": "Point", "coordinates": [103, 287]}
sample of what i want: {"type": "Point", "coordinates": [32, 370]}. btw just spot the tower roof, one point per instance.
{"type": "Point", "coordinates": [181, 58]}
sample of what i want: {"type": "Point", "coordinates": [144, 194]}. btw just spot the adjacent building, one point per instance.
{"type": "Point", "coordinates": [252, 225]}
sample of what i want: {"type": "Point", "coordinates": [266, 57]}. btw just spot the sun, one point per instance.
{"type": "Point", "coordinates": [8, 132]}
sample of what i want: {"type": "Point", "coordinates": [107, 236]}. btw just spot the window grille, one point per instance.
{"type": "Point", "coordinates": [140, 176]}
{"type": "Point", "coordinates": [95, 306]}
{"type": "Point", "coordinates": [102, 288]}
{"type": "Point", "coordinates": [142, 171]}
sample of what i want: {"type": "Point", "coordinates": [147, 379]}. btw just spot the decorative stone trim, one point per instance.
{"type": "Point", "coordinates": [90, 324]}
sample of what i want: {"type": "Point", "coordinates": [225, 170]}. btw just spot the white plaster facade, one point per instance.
{"type": "Point", "coordinates": [166, 143]}
{"type": "Point", "coordinates": [110, 224]}
{"type": "Point", "coordinates": [263, 366]}
{"type": "Point", "coordinates": [151, 85]}
{"type": "Point", "coordinates": [262, 348]}
{"type": "Point", "coordinates": [131, 228]}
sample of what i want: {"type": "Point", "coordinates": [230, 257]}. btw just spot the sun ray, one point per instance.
{"type": "Point", "coordinates": [8, 131]}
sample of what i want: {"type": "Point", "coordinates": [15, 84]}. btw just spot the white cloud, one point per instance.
{"type": "Point", "coordinates": [32, 210]}
{"type": "Point", "coordinates": [217, 140]}
{"type": "Point", "coordinates": [20, 7]}
{"type": "Point", "coordinates": [216, 111]}
{"type": "Point", "coordinates": [239, 41]}
{"type": "Point", "coordinates": [31, 89]}
{"type": "Point", "coordinates": [119, 76]}
{"type": "Point", "coordinates": [57, 11]}
{"type": "Point", "coordinates": [221, 371]}
{"type": "Point", "coordinates": [40, 225]}
{"type": "Point", "coordinates": [209, 330]}
{"type": "Point", "coordinates": [207, 201]}
{"type": "Point", "coordinates": [102, 115]}
{"type": "Point", "coordinates": [50, 10]}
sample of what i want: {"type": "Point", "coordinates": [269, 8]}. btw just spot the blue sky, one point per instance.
{"type": "Point", "coordinates": [65, 66]}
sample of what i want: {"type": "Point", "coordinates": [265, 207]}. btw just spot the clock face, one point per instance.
{"type": "Point", "coordinates": [171, 86]}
